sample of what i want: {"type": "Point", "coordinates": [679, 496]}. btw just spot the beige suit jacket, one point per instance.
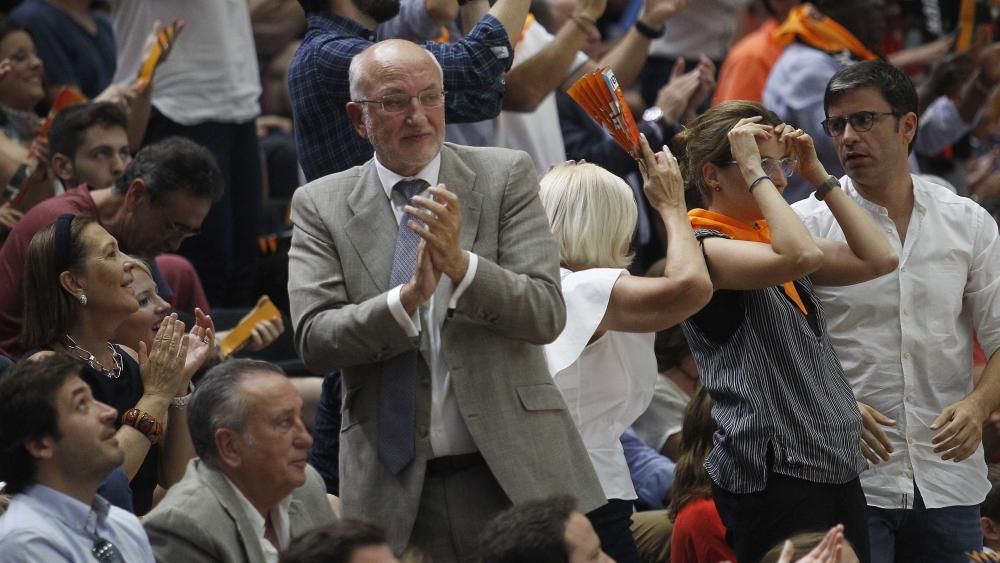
{"type": "Point", "coordinates": [339, 267]}
{"type": "Point", "coordinates": [201, 519]}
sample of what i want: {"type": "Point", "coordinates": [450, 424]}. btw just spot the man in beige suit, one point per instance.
{"type": "Point", "coordinates": [251, 492]}
{"type": "Point", "coordinates": [449, 413]}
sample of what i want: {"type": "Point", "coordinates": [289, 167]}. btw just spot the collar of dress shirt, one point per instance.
{"type": "Point", "coordinates": [389, 178]}
{"type": "Point", "coordinates": [338, 25]}
{"type": "Point", "coordinates": [279, 517]}
{"type": "Point", "coordinates": [68, 510]}
{"type": "Point", "coordinates": [919, 196]}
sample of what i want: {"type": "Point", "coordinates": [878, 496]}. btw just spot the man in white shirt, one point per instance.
{"type": "Point", "coordinates": [433, 307]}
{"type": "Point", "coordinates": [252, 490]}
{"type": "Point", "coordinates": [57, 443]}
{"type": "Point", "coordinates": [905, 339]}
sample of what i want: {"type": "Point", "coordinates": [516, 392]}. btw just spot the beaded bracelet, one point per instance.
{"type": "Point", "coordinates": [757, 181]}
{"type": "Point", "coordinates": [145, 423]}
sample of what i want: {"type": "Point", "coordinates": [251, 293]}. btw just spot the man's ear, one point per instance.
{"type": "Point", "coordinates": [908, 126]}
{"type": "Point", "coordinates": [229, 445]}
{"type": "Point", "coordinates": [355, 111]}
{"type": "Point", "coordinates": [991, 529]}
{"type": "Point", "coordinates": [62, 165]}
{"type": "Point", "coordinates": [136, 194]}
{"type": "Point", "coordinates": [40, 448]}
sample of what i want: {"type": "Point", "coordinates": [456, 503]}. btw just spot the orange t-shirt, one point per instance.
{"type": "Point", "coordinates": [744, 72]}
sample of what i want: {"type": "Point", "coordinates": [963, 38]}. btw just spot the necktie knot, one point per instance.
{"type": "Point", "coordinates": [410, 188]}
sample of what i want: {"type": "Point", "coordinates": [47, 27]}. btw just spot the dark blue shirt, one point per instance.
{"type": "Point", "coordinates": [72, 55]}
{"type": "Point", "coordinates": [318, 84]}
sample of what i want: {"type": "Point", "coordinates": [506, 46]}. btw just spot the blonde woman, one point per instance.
{"type": "Point", "coordinates": [603, 360]}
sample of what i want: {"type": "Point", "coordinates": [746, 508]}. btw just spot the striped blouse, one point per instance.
{"type": "Point", "coordinates": [782, 402]}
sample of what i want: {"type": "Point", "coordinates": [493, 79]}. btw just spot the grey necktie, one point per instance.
{"type": "Point", "coordinates": [397, 391]}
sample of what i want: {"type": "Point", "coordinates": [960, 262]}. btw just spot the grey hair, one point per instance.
{"type": "Point", "coordinates": [218, 403]}
{"type": "Point", "coordinates": [355, 73]}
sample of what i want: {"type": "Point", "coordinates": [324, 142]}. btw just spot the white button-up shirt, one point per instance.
{"type": "Point", "coordinates": [448, 433]}
{"type": "Point", "coordinates": [279, 522]}
{"type": "Point", "coordinates": [905, 339]}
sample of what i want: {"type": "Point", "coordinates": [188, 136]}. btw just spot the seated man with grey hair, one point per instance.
{"type": "Point", "coordinates": [251, 490]}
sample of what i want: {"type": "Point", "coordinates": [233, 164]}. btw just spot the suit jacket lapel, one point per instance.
{"type": "Point", "coordinates": [369, 228]}
{"type": "Point", "coordinates": [227, 498]}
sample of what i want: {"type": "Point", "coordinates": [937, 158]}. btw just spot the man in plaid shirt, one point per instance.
{"type": "Point", "coordinates": [339, 29]}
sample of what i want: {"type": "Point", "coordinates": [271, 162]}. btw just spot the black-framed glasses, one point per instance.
{"type": "Point", "coordinates": [860, 121]}
{"type": "Point", "coordinates": [106, 552]}
{"type": "Point", "coordinates": [772, 166]}
{"type": "Point", "coordinates": [397, 103]}
{"type": "Point", "coordinates": [175, 229]}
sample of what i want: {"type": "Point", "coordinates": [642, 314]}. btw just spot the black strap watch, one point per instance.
{"type": "Point", "coordinates": [827, 185]}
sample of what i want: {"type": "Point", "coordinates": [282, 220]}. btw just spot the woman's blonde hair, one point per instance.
{"type": "Point", "coordinates": [592, 213]}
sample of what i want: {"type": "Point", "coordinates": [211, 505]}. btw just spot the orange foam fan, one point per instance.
{"type": "Point", "coordinates": [599, 94]}
{"type": "Point", "coordinates": [67, 96]}
{"type": "Point", "coordinates": [164, 42]}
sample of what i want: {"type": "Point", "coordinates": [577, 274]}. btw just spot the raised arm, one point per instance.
{"type": "Point", "coordinates": [867, 254]}
{"type": "Point", "coordinates": [792, 253]}
{"type": "Point", "coordinates": [629, 55]}
{"type": "Point", "coordinates": [511, 14]}
{"type": "Point", "coordinates": [532, 80]}
{"type": "Point", "coordinates": [641, 304]}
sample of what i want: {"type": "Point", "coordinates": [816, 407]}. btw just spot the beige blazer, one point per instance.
{"type": "Point", "coordinates": [201, 519]}
{"type": "Point", "coordinates": [339, 266]}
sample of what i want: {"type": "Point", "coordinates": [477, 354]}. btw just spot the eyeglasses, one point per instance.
{"type": "Point", "coordinates": [772, 166]}
{"type": "Point", "coordinates": [175, 229]}
{"type": "Point", "coordinates": [106, 552]}
{"type": "Point", "coordinates": [397, 103]}
{"type": "Point", "coordinates": [860, 121]}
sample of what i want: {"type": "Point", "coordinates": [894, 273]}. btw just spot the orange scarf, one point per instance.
{"type": "Point", "coordinates": [806, 23]}
{"type": "Point", "coordinates": [758, 232]}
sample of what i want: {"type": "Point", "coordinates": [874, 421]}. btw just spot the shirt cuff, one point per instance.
{"type": "Point", "coordinates": [469, 274]}
{"type": "Point", "coordinates": [410, 325]}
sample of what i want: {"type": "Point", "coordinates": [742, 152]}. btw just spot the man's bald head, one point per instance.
{"type": "Point", "coordinates": [397, 92]}
{"type": "Point", "coordinates": [392, 56]}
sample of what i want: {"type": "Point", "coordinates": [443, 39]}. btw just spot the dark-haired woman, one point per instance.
{"type": "Point", "coordinates": [77, 293]}
{"type": "Point", "coordinates": [787, 455]}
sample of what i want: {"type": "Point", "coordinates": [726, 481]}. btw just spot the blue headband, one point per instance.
{"type": "Point", "coordinates": [63, 242]}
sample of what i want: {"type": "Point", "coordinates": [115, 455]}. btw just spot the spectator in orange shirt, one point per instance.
{"type": "Point", "coordinates": [744, 72]}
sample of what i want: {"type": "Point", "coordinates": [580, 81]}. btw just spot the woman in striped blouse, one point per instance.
{"type": "Point", "coordinates": [786, 455]}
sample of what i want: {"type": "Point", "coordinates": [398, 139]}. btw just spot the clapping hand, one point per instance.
{"type": "Point", "coordinates": [162, 367]}
{"type": "Point", "coordinates": [200, 343]}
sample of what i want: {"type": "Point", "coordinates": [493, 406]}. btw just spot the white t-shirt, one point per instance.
{"type": "Point", "coordinates": [607, 384]}
{"type": "Point", "coordinates": [211, 74]}
{"type": "Point", "coordinates": [536, 133]}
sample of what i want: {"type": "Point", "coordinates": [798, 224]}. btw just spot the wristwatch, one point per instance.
{"type": "Point", "coordinates": [827, 185]}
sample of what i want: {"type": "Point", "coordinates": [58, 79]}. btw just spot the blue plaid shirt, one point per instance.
{"type": "Point", "coordinates": [318, 84]}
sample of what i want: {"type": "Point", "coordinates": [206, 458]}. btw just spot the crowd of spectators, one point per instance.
{"type": "Point", "coordinates": [767, 332]}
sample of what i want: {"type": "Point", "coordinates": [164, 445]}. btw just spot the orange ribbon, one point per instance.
{"type": "Point", "coordinates": [806, 23]}
{"type": "Point", "coordinates": [738, 230]}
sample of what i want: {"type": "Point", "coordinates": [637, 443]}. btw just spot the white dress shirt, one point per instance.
{"type": "Point", "coordinates": [905, 339]}
{"type": "Point", "coordinates": [448, 433]}
{"type": "Point", "coordinates": [279, 521]}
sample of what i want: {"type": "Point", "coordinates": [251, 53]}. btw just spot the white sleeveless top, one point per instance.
{"type": "Point", "coordinates": [606, 384]}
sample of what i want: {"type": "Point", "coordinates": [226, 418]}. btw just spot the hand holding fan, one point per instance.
{"type": "Point", "coordinates": [599, 94]}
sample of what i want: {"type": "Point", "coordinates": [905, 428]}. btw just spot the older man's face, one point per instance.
{"type": "Point", "coordinates": [276, 437]}
{"type": "Point", "coordinates": [407, 140]}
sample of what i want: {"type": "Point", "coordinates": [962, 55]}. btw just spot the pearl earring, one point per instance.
{"type": "Point", "coordinates": [83, 299]}
{"type": "Point", "coordinates": [717, 188]}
